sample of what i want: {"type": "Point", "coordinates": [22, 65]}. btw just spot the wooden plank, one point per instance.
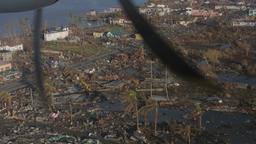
{"type": "Point", "coordinates": [159, 98]}
{"type": "Point", "coordinates": [148, 90]}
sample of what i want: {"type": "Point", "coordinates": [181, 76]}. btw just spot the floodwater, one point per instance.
{"type": "Point", "coordinates": [57, 14]}
{"type": "Point", "coordinates": [238, 127]}
{"type": "Point", "coordinates": [234, 78]}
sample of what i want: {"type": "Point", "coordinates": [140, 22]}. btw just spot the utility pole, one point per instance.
{"type": "Point", "coordinates": [31, 97]}
{"type": "Point", "coordinates": [33, 105]}
{"type": "Point", "coordinates": [71, 112]}
{"type": "Point", "coordinates": [137, 115]}
{"type": "Point", "coordinates": [166, 82]}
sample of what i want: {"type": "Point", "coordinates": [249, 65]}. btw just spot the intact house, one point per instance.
{"type": "Point", "coordinates": [56, 33]}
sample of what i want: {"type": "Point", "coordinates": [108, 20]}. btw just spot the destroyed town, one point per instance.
{"type": "Point", "coordinates": [128, 72]}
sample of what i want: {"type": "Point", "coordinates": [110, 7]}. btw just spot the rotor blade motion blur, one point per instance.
{"type": "Point", "coordinates": [37, 56]}
{"type": "Point", "coordinates": [164, 51]}
{"type": "Point", "coordinates": [23, 5]}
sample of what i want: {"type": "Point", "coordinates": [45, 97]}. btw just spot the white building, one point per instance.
{"type": "Point", "coordinates": [230, 7]}
{"type": "Point", "coordinates": [160, 10]}
{"type": "Point", "coordinates": [119, 21]}
{"type": "Point", "coordinates": [189, 11]}
{"type": "Point", "coordinates": [151, 5]}
{"type": "Point", "coordinates": [56, 34]}
{"type": "Point", "coordinates": [252, 12]}
{"type": "Point", "coordinates": [113, 10]}
{"type": "Point", "coordinates": [92, 13]}
{"type": "Point", "coordinates": [161, 6]}
{"type": "Point", "coordinates": [12, 48]}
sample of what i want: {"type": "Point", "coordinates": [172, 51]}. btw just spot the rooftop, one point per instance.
{"type": "Point", "coordinates": [13, 41]}
{"type": "Point", "coordinates": [4, 51]}
{"type": "Point", "coordinates": [56, 29]}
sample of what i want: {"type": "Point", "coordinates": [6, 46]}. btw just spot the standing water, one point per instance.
{"type": "Point", "coordinates": [57, 14]}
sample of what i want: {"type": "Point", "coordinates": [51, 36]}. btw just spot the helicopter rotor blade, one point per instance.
{"type": "Point", "coordinates": [162, 49]}
{"type": "Point", "coordinates": [37, 56]}
{"type": "Point", "coordinates": [7, 6]}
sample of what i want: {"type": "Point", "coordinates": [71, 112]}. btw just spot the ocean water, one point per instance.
{"type": "Point", "coordinates": [57, 14]}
